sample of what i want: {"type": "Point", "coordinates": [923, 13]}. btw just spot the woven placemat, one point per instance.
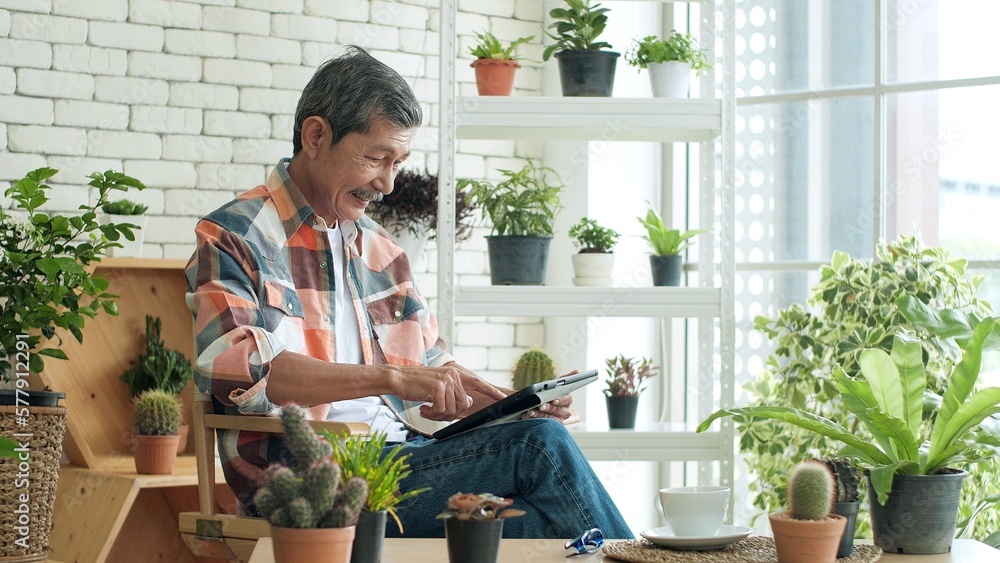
{"type": "Point", "coordinates": [756, 549]}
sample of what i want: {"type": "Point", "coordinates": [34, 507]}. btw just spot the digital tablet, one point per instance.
{"type": "Point", "coordinates": [514, 405]}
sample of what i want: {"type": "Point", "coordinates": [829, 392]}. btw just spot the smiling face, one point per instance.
{"type": "Point", "coordinates": [340, 181]}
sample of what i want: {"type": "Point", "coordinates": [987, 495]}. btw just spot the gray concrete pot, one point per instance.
{"type": "Point", "coordinates": [919, 515]}
{"type": "Point", "coordinates": [518, 260]}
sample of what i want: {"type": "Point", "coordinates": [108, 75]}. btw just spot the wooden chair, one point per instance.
{"type": "Point", "coordinates": [227, 536]}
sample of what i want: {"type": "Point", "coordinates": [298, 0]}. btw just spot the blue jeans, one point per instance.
{"type": "Point", "coordinates": [535, 462]}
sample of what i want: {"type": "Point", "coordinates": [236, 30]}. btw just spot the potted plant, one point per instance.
{"type": "Point", "coordinates": [808, 532]}
{"type": "Point", "coordinates": [522, 208]}
{"type": "Point", "coordinates": [159, 367]}
{"type": "Point", "coordinates": [585, 68]}
{"type": "Point", "coordinates": [154, 444]}
{"type": "Point", "coordinates": [667, 244]}
{"type": "Point", "coordinates": [625, 379]}
{"type": "Point", "coordinates": [669, 61]}
{"type": "Point", "coordinates": [846, 479]}
{"type": "Point", "coordinates": [594, 263]}
{"type": "Point", "coordinates": [127, 212]}
{"type": "Point", "coordinates": [495, 64]}
{"type": "Point", "coordinates": [534, 366]}
{"type": "Point", "coordinates": [312, 516]}
{"type": "Point", "coordinates": [473, 525]}
{"type": "Point", "coordinates": [361, 456]}
{"type": "Point", "coordinates": [46, 283]}
{"type": "Point", "coordinates": [913, 487]}
{"type": "Point", "coordinates": [410, 212]}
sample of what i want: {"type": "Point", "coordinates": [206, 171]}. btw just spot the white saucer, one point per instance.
{"type": "Point", "coordinates": [726, 535]}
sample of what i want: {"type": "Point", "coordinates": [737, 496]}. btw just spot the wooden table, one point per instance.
{"type": "Point", "coordinates": [408, 550]}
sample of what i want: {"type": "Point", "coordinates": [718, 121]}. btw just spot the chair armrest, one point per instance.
{"type": "Point", "coordinates": [272, 425]}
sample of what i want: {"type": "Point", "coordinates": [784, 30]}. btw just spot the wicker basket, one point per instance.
{"type": "Point", "coordinates": [45, 427]}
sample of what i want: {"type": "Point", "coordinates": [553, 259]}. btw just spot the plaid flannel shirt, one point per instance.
{"type": "Point", "coordinates": [264, 259]}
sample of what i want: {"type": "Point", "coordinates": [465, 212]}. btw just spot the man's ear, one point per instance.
{"type": "Point", "coordinates": [315, 132]}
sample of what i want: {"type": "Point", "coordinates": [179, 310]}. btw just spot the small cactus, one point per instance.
{"type": "Point", "coordinates": [534, 366]}
{"type": "Point", "coordinates": [846, 479]}
{"type": "Point", "coordinates": [306, 496]}
{"type": "Point", "coordinates": [810, 491]}
{"type": "Point", "coordinates": [157, 413]}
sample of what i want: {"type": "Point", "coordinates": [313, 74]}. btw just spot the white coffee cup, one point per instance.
{"type": "Point", "coordinates": [694, 511]}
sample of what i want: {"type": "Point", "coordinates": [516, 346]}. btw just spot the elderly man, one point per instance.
{"type": "Point", "coordinates": [298, 297]}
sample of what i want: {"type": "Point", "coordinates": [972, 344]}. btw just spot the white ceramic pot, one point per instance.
{"type": "Point", "coordinates": [671, 79]}
{"type": "Point", "coordinates": [412, 245]}
{"type": "Point", "coordinates": [130, 248]}
{"type": "Point", "coordinates": [593, 269]}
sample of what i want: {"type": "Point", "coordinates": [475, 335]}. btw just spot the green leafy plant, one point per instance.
{"type": "Point", "coordinates": [681, 47]}
{"type": "Point", "coordinates": [534, 366]}
{"type": "Point", "coordinates": [590, 237]}
{"type": "Point", "coordinates": [577, 28]}
{"type": "Point", "coordinates": [664, 241]}
{"type": "Point", "coordinates": [361, 456]}
{"type": "Point", "coordinates": [158, 367]}
{"type": "Point", "coordinates": [413, 206]}
{"type": "Point", "coordinates": [484, 506]}
{"type": "Point", "coordinates": [308, 494]}
{"type": "Point", "coordinates": [810, 491]}
{"type": "Point", "coordinates": [157, 413]}
{"type": "Point", "coordinates": [44, 259]}
{"type": "Point", "coordinates": [626, 375]}
{"type": "Point", "coordinates": [524, 203]}
{"type": "Point", "coordinates": [124, 207]}
{"type": "Point", "coordinates": [887, 397]}
{"type": "Point", "coordinates": [853, 307]}
{"type": "Point", "coordinates": [489, 47]}
{"type": "Point", "coordinates": [846, 478]}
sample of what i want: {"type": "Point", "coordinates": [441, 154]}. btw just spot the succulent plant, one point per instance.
{"type": "Point", "coordinates": [123, 207]}
{"type": "Point", "coordinates": [157, 413]}
{"type": "Point", "coordinates": [625, 375]}
{"type": "Point", "coordinates": [158, 367]}
{"type": "Point", "coordinates": [846, 479]}
{"type": "Point", "coordinates": [484, 506]}
{"type": "Point", "coordinates": [533, 366]}
{"type": "Point", "coordinates": [810, 491]}
{"type": "Point", "coordinates": [309, 494]}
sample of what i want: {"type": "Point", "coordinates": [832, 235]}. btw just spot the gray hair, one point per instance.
{"type": "Point", "coordinates": [351, 92]}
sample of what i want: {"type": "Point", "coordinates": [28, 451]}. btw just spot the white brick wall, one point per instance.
{"type": "Point", "coordinates": [196, 98]}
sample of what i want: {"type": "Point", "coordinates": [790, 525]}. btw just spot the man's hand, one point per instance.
{"type": "Point", "coordinates": [556, 408]}
{"type": "Point", "coordinates": [446, 388]}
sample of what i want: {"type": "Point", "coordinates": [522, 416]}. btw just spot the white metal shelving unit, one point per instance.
{"type": "Point", "coordinates": [707, 120]}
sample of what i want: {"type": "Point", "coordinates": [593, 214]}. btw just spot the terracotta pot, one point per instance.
{"type": "Point", "coordinates": [495, 77]}
{"type": "Point", "coordinates": [315, 545]}
{"type": "Point", "coordinates": [154, 455]}
{"type": "Point", "coordinates": [807, 541]}
{"type": "Point", "coordinates": [183, 431]}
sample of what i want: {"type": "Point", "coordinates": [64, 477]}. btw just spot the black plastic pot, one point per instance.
{"type": "Point", "coordinates": [34, 399]}
{"type": "Point", "coordinates": [848, 510]}
{"type": "Point", "coordinates": [368, 537]}
{"type": "Point", "coordinates": [621, 411]}
{"type": "Point", "coordinates": [518, 260]}
{"type": "Point", "coordinates": [472, 541]}
{"type": "Point", "coordinates": [919, 515]}
{"type": "Point", "coordinates": [587, 73]}
{"type": "Point", "coordinates": [666, 269]}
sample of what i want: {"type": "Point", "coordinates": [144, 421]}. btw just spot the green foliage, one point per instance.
{"type": "Point", "coordinates": [43, 266]}
{"type": "Point", "coordinates": [577, 28]}
{"type": "Point", "coordinates": [524, 203]}
{"type": "Point", "coordinates": [626, 375]}
{"type": "Point", "coordinates": [314, 492]}
{"type": "Point", "coordinates": [158, 367]}
{"type": "Point", "coordinates": [124, 207]}
{"type": "Point", "coordinates": [157, 413]}
{"type": "Point", "coordinates": [7, 447]}
{"type": "Point", "coordinates": [489, 47]}
{"type": "Point", "coordinates": [846, 478]}
{"type": "Point", "coordinates": [851, 308]}
{"type": "Point", "coordinates": [680, 47]}
{"type": "Point", "coordinates": [810, 491]}
{"type": "Point", "coordinates": [591, 237]}
{"type": "Point", "coordinates": [534, 366]}
{"type": "Point", "coordinates": [664, 241]}
{"type": "Point", "coordinates": [361, 456]}
{"type": "Point", "coordinates": [484, 506]}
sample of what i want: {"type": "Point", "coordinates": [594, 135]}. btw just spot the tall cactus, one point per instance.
{"type": "Point", "coordinates": [306, 495]}
{"type": "Point", "coordinates": [810, 491]}
{"type": "Point", "coordinates": [534, 366]}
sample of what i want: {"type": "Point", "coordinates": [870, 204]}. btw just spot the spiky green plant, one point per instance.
{"type": "Point", "coordinates": [810, 491]}
{"type": "Point", "coordinates": [124, 207]}
{"type": "Point", "coordinates": [309, 494]}
{"type": "Point", "coordinates": [532, 367]}
{"type": "Point", "coordinates": [158, 367]}
{"type": "Point", "coordinates": [846, 478]}
{"type": "Point", "coordinates": [157, 413]}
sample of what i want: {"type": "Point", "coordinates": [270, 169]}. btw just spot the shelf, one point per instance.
{"type": "Point", "coordinates": [143, 263]}
{"type": "Point", "coordinates": [604, 119]}
{"type": "Point", "coordinates": [651, 442]}
{"type": "Point", "coordinates": [543, 301]}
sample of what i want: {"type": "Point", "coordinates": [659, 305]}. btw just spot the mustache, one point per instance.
{"type": "Point", "coordinates": [370, 195]}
